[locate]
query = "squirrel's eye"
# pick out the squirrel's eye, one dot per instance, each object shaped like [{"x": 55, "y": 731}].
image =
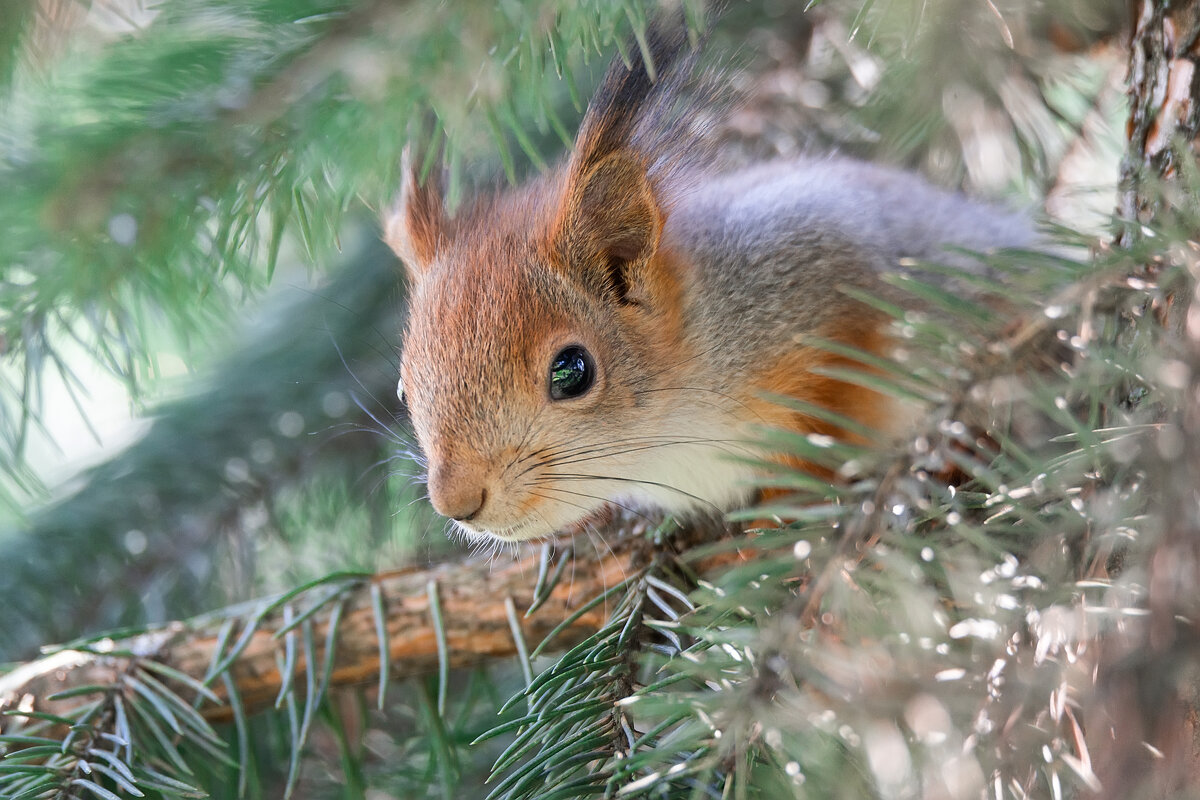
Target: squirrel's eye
[
  {"x": 400, "y": 390},
  {"x": 571, "y": 373}
]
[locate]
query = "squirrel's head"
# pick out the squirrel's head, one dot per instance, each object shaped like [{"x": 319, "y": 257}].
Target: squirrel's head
[
  {"x": 540, "y": 322},
  {"x": 546, "y": 325}
]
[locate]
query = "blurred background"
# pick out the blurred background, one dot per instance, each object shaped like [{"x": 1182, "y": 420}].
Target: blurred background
[{"x": 199, "y": 328}]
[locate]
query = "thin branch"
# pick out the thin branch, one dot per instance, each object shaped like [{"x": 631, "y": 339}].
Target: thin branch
[{"x": 473, "y": 596}]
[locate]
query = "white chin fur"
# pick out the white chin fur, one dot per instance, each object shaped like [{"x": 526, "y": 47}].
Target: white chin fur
[
  {"x": 679, "y": 479},
  {"x": 523, "y": 531}
]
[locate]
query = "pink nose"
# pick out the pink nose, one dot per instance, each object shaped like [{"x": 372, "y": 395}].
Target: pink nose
[{"x": 456, "y": 493}]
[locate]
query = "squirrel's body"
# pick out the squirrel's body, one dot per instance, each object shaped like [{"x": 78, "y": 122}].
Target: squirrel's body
[
  {"x": 755, "y": 234},
  {"x": 614, "y": 331}
]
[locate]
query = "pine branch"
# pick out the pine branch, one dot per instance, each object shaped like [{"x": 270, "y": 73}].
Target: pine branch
[{"x": 248, "y": 641}]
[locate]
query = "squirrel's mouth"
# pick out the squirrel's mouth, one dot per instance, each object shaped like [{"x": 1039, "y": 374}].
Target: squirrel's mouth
[
  {"x": 520, "y": 532},
  {"x": 539, "y": 526}
]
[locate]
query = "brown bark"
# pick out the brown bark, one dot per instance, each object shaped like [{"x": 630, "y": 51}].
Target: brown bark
[
  {"x": 1164, "y": 107},
  {"x": 472, "y": 597},
  {"x": 1142, "y": 727}
]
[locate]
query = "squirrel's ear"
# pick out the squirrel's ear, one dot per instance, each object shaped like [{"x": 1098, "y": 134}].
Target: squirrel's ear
[
  {"x": 416, "y": 223},
  {"x": 610, "y": 223}
]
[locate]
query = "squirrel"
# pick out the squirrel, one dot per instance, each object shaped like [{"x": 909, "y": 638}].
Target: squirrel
[{"x": 613, "y": 332}]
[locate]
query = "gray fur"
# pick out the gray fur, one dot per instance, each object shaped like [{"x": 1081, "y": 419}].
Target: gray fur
[{"x": 796, "y": 231}]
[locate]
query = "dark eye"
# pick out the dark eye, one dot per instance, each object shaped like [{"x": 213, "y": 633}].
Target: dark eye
[
  {"x": 571, "y": 373},
  {"x": 400, "y": 390}
]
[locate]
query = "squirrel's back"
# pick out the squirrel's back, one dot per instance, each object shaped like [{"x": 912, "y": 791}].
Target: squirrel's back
[{"x": 769, "y": 247}]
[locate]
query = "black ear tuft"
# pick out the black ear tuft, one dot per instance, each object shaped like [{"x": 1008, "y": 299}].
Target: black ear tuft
[{"x": 620, "y": 102}]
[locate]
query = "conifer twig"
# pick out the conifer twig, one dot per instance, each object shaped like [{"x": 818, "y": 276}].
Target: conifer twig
[{"x": 246, "y": 641}]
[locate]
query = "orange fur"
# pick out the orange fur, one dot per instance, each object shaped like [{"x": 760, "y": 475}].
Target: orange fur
[{"x": 794, "y": 377}]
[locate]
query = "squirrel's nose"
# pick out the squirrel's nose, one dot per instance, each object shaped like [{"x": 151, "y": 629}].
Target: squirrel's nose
[{"x": 456, "y": 495}]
